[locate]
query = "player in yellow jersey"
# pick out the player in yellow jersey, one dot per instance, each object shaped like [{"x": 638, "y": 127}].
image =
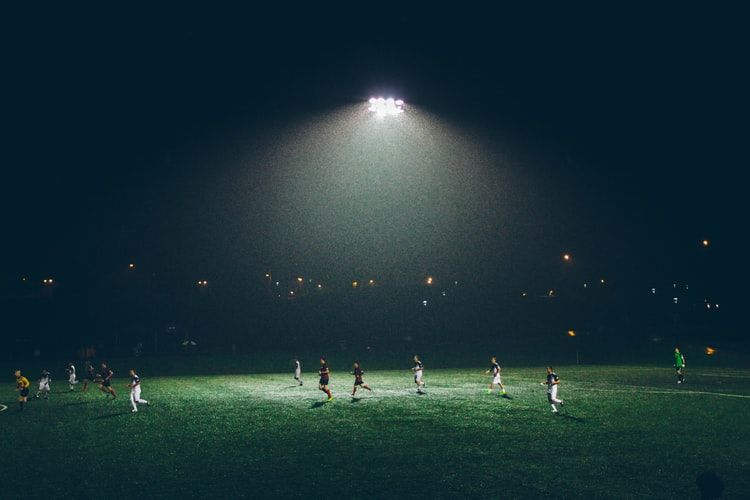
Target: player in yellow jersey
[{"x": 22, "y": 386}]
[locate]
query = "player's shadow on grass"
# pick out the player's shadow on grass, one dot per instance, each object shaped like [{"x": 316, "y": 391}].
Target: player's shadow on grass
[
  {"x": 112, "y": 415},
  {"x": 318, "y": 404},
  {"x": 291, "y": 386},
  {"x": 355, "y": 400},
  {"x": 571, "y": 417}
]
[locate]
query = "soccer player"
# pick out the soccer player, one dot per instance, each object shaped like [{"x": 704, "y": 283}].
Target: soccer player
[
  {"x": 358, "y": 373},
  {"x": 71, "y": 371},
  {"x": 106, "y": 385},
  {"x": 298, "y": 371},
  {"x": 495, "y": 370},
  {"x": 679, "y": 365},
  {"x": 44, "y": 380},
  {"x": 22, "y": 386},
  {"x": 552, "y": 383},
  {"x": 90, "y": 376},
  {"x": 418, "y": 370},
  {"x": 325, "y": 374},
  {"x": 135, "y": 391}
]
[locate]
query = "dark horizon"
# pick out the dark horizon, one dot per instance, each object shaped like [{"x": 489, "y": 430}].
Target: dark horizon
[{"x": 615, "y": 136}]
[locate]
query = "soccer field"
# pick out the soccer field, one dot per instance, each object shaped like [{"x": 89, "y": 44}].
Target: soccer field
[{"x": 623, "y": 432}]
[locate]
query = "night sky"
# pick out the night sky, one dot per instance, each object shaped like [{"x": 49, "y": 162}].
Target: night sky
[{"x": 226, "y": 143}]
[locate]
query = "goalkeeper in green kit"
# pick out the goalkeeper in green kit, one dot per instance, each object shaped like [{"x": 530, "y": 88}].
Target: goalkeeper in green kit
[{"x": 679, "y": 365}]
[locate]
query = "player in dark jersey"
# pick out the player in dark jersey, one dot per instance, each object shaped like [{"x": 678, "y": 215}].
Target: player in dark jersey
[
  {"x": 22, "y": 386},
  {"x": 106, "y": 384},
  {"x": 552, "y": 383},
  {"x": 325, "y": 378},
  {"x": 418, "y": 370},
  {"x": 495, "y": 371},
  {"x": 358, "y": 382},
  {"x": 90, "y": 376}
]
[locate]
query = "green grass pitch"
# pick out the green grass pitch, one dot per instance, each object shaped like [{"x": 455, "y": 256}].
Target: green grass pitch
[{"x": 624, "y": 432}]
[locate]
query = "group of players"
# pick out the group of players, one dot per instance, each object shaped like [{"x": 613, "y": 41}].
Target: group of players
[
  {"x": 103, "y": 379},
  {"x": 324, "y": 372}
]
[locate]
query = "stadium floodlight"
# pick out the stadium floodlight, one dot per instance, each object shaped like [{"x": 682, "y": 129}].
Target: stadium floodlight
[{"x": 383, "y": 107}]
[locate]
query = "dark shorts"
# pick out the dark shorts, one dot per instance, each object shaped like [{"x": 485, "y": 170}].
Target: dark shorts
[
  {"x": 358, "y": 382},
  {"x": 106, "y": 383},
  {"x": 323, "y": 381},
  {"x": 90, "y": 377},
  {"x": 24, "y": 392}
]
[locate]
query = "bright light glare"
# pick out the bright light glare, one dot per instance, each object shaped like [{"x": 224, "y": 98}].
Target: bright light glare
[{"x": 386, "y": 107}]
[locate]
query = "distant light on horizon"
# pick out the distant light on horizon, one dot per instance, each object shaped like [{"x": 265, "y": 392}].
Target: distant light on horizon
[
  {"x": 571, "y": 333},
  {"x": 429, "y": 280},
  {"x": 566, "y": 257},
  {"x": 202, "y": 283},
  {"x": 131, "y": 266},
  {"x": 386, "y": 107},
  {"x": 710, "y": 351},
  {"x": 705, "y": 243}
]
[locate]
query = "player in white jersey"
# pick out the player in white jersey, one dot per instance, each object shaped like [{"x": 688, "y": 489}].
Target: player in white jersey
[
  {"x": 495, "y": 371},
  {"x": 298, "y": 371},
  {"x": 418, "y": 370},
  {"x": 135, "y": 391},
  {"x": 552, "y": 383},
  {"x": 71, "y": 371},
  {"x": 44, "y": 380}
]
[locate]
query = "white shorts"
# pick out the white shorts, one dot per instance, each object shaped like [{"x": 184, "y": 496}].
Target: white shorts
[
  {"x": 552, "y": 393},
  {"x": 72, "y": 378},
  {"x": 418, "y": 376},
  {"x": 496, "y": 380},
  {"x": 44, "y": 386},
  {"x": 297, "y": 374},
  {"x": 135, "y": 392}
]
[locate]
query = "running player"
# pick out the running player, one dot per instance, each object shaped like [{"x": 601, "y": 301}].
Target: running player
[
  {"x": 135, "y": 391},
  {"x": 552, "y": 383},
  {"x": 22, "y": 386},
  {"x": 325, "y": 376},
  {"x": 495, "y": 370},
  {"x": 358, "y": 373},
  {"x": 71, "y": 371},
  {"x": 44, "y": 380},
  {"x": 679, "y": 365},
  {"x": 297, "y": 371},
  {"x": 90, "y": 376},
  {"x": 418, "y": 370},
  {"x": 106, "y": 384}
]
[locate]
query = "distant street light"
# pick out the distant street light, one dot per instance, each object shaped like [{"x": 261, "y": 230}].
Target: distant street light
[
  {"x": 566, "y": 257},
  {"x": 131, "y": 266},
  {"x": 48, "y": 281},
  {"x": 705, "y": 243},
  {"x": 571, "y": 333},
  {"x": 429, "y": 280},
  {"x": 385, "y": 107},
  {"x": 355, "y": 284},
  {"x": 202, "y": 283},
  {"x": 300, "y": 279}
]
